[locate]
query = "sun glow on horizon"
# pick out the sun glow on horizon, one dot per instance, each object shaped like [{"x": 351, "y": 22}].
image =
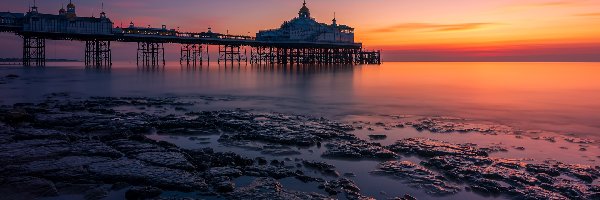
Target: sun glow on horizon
[{"x": 466, "y": 27}]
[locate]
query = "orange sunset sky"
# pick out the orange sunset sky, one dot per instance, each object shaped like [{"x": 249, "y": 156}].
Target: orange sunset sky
[{"x": 406, "y": 30}]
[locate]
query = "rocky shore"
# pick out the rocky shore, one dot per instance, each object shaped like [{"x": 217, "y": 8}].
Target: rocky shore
[{"x": 98, "y": 145}]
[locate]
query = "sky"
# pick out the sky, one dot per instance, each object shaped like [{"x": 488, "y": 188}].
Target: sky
[{"x": 405, "y": 30}]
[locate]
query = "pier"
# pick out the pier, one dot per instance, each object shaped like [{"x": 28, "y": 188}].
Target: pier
[{"x": 317, "y": 43}]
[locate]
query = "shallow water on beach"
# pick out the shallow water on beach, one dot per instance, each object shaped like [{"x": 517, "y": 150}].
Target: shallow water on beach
[
  {"x": 560, "y": 97},
  {"x": 547, "y": 102}
]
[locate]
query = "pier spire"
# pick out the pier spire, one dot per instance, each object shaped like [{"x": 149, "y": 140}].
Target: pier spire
[
  {"x": 103, "y": 14},
  {"x": 334, "y": 20},
  {"x": 34, "y": 8},
  {"x": 304, "y": 11}
]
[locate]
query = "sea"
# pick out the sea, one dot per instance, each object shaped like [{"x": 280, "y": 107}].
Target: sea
[{"x": 558, "y": 99}]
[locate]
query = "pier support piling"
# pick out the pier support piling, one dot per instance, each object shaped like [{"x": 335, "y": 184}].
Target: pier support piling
[
  {"x": 287, "y": 55},
  {"x": 192, "y": 54},
  {"x": 98, "y": 53},
  {"x": 34, "y": 51},
  {"x": 150, "y": 54},
  {"x": 231, "y": 53}
]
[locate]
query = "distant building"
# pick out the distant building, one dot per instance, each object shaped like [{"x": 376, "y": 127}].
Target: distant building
[
  {"x": 66, "y": 22},
  {"x": 10, "y": 18},
  {"x": 132, "y": 29},
  {"x": 306, "y": 29}
]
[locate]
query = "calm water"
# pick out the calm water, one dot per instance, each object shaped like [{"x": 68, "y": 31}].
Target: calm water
[{"x": 563, "y": 97}]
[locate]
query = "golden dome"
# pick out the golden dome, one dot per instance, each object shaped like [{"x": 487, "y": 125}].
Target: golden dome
[{"x": 71, "y": 5}]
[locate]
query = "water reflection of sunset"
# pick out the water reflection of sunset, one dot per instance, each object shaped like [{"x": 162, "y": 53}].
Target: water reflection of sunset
[{"x": 536, "y": 95}]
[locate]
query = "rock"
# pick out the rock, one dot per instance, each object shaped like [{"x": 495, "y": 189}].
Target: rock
[
  {"x": 28, "y": 150},
  {"x": 377, "y": 137},
  {"x": 343, "y": 185},
  {"x": 417, "y": 176},
  {"x": 279, "y": 150},
  {"x": 492, "y": 149},
  {"x": 323, "y": 167},
  {"x": 269, "y": 188},
  {"x": 96, "y": 193},
  {"x": 261, "y": 161},
  {"x": 543, "y": 168},
  {"x": 223, "y": 184},
  {"x": 66, "y": 168},
  {"x": 357, "y": 149},
  {"x": 132, "y": 171},
  {"x": 119, "y": 186},
  {"x": 537, "y": 193},
  {"x": 405, "y": 197},
  {"x": 520, "y": 148},
  {"x": 583, "y": 172},
  {"x": 224, "y": 171},
  {"x": 487, "y": 187},
  {"x": 166, "y": 159},
  {"x": 27, "y": 186},
  {"x": 277, "y": 172},
  {"x": 140, "y": 193},
  {"x": 16, "y": 116},
  {"x": 446, "y": 125},
  {"x": 431, "y": 148}
]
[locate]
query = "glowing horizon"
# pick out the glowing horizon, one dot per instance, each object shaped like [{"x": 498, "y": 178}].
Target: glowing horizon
[{"x": 431, "y": 30}]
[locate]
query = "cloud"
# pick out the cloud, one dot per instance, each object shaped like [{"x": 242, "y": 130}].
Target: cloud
[
  {"x": 433, "y": 27},
  {"x": 526, "y": 6},
  {"x": 538, "y": 52},
  {"x": 588, "y": 14},
  {"x": 554, "y": 3}
]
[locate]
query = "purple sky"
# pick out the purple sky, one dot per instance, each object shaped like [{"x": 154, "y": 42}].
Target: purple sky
[{"x": 428, "y": 30}]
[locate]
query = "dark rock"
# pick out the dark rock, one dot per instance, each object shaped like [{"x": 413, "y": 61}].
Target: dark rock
[
  {"x": 140, "y": 193},
  {"x": 537, "y": 193},
  {"x": 119, "y": 186},
  {"x": 323, "y": 167},
  {"x": 166, "y": 159},
  {"x": 377, "y": 137},
  {"x": 446, "y": 125},
  {"x": 16, "y": 116},
  {"x": 343, "y": 185},
  {"x": 26, "y": 186},
  {"x": 96, "y": 193},
  {"x": 277, "y": 172},
  {"x": 417, "y": 176},
  {"x": 405, "y": 197},
  {"x": 430, "y": 148},
  {"x": 133, "y": 171},
  {"x": 224, "y": 171},
  {"x": 269, "y": 188},
  {"x": 223, "y": 184},
  {"x": 357, "y": 149},
  {"x": 543, "y": 168},
  {"x": 261, "y": 161}
]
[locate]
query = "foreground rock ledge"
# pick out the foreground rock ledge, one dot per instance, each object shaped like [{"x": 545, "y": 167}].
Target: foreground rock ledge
[{"x": 98, "y": 145}]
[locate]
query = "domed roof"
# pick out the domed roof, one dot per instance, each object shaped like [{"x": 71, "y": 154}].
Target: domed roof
[
  {"x": 62, "y": 10},
  {"x": 304, "y": 11},
  {"x": 71, "y": 5}
]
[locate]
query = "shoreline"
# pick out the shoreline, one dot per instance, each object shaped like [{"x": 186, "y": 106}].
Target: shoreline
[{"x": 127, "y": 141}]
